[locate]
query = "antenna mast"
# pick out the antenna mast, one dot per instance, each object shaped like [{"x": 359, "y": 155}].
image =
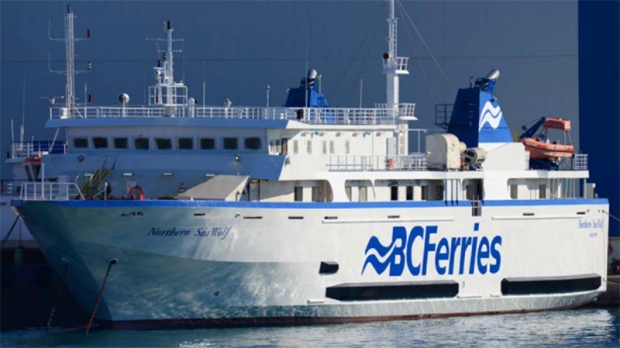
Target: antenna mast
[
  {"x": 167, "y": 92},
  {"x": 70, "y": 71},
  {"x": 393, "y": 66}
]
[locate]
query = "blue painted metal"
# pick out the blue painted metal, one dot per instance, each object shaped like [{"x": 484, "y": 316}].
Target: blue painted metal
[
  {"x": 297, "y": 96},
  {"x": 530, "y": 132},
  {"x": 476, "y": 116}
]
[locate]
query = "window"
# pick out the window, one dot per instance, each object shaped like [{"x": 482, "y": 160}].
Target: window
[
  {"x": 253, "y": 143},
  {"x": 332, "y": 147},
  {"x": 309, "y": 147},
  {"x": 295, "y": 147},
  {"x": 317, "y": 194},
  {"x": 439, "y": 193},
  {"x": 424, "y": 193},
  {"x": 163, "y": 143},
  {"x": 347, "y": 147},
  {"x": 207, "y": 143},
  {"x": 121, "y": 143},
  {"x": 394, "y": 193},
  {"x": 347, "y": 190},
  {"x": 277, "y": 148},
  {"x": 230, "y": 143},
  {"x": 186, "y": 143},
  {"x": 542, "y": 188},
  {"x": 100, "y": 142},
  {"x": 299, "y": 194},
  {"x": 363, "y": 193},
  {"x": 80, "y": 143},
  {"x": 141, "y": 143},
  {"x": 514, "y": 191},
  {"x": 409, "y": 195},
  {"x": 324, "y": 147}
]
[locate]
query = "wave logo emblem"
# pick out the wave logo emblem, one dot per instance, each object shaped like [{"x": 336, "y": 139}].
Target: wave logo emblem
[
  {"x": 491, "y": 115},
  {"x": 399, "y": 237}
]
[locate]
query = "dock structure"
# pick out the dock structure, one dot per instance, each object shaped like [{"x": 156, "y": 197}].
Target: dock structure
[{"x": 611, "y": 297}]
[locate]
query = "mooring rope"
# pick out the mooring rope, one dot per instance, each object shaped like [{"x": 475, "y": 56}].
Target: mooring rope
[
  {"x": 610, "y": 215},
  {"x": 59, "y": 291},
  {"x": 92, "y": 317}
]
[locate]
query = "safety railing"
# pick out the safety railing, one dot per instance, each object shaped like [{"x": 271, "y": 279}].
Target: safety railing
[
  {"x": 413, "y": 162},
  {"x": 380, "y": 115},
  {"x": 50, "y": 191}
]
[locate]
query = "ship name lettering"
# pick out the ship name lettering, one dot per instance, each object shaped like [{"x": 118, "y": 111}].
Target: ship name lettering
[
  {"x": 218, "y": 232},
  {"x": 171, "y": 232}
]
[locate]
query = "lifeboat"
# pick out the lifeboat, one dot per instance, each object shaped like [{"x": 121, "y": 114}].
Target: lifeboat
[
  {"x": 546, "y": 149},
  {"x": 541, "y": 147}
]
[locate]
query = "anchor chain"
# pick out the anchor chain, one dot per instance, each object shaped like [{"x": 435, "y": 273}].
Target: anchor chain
[{"x": 92, "y": 317}]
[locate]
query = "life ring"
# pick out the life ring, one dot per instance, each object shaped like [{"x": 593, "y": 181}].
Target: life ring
[{"x": 137, "y": 193}]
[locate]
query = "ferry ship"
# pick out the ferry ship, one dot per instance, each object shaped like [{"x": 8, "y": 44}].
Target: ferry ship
[{"x": 173, "y": 215}]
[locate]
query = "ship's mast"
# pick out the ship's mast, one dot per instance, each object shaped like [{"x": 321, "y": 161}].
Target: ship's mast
[
  {"x": 393, "y": 66},
  {"x": 70, "y": 71},
  {"x": 167, "y": 92}
]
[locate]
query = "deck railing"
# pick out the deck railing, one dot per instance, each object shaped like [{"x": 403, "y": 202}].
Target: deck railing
[
  {"x": 414, "y": 162},
  {"x": 50, "y": 191},
  {"x": 28, "y": 149},
  {"x": 357, "y": 116}
]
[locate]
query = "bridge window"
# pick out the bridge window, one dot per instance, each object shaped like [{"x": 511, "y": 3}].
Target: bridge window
[
  {"x": 121, "y": 143},
  {"x": 141, "y": 143},
  {"x": 230, "y": 143},
  {"x": 186, "y": 143},
  {"x": 163, "y": 143},
  {"x": 80, "y": 143},
  {"x": 100, "y": 142},
  {"x": 207, "y": 143},
  {"x": 253, "y": 143}
]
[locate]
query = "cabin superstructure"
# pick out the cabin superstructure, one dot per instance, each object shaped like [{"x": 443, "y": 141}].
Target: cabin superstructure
[{"x": 303, "y": 151}]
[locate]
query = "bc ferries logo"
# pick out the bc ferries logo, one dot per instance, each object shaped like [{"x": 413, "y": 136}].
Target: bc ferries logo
[
  {"x": 491, "y": 115},
  {"x": 419, "y": 251}
]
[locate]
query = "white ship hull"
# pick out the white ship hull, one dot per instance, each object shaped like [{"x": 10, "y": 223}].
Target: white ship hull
[{"x": 202, "y": 263}]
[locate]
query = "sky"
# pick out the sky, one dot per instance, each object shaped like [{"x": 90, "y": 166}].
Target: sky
[{"x": 237, "y": 48}]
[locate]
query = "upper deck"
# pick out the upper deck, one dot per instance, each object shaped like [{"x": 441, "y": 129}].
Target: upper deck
[{"x": 380, "y": 115}]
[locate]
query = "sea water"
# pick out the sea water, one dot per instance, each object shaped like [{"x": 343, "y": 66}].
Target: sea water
[{"x": 587, "y": 327}]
